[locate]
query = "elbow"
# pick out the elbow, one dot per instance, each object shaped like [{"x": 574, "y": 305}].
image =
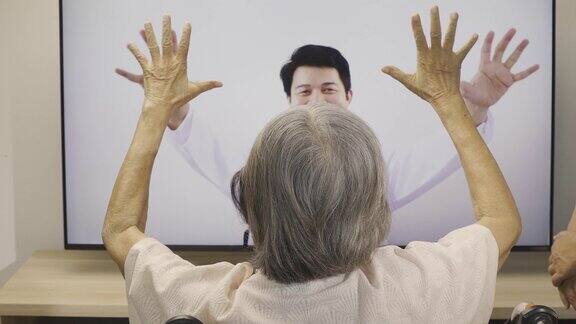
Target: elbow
[
  {"x": 516, "y": 226},
  {"x": 109, "y": 232},
  {"x": 512, "y": 222},
  {"x": 107, "y": 235}
]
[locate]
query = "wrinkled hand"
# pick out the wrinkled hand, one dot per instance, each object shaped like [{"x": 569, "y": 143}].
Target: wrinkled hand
[
  {"x": 562, "y": 261},
  {"x": 139, "y": 78},
  {"x": 165, "y": 79},
  {"x": 437, "y": 76},
  {"x": 494, "y": 77},
  {"x": 179, "y": 113}
]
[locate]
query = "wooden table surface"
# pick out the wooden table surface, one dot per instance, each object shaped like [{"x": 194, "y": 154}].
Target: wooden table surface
[{"x": 89, "y": 284}]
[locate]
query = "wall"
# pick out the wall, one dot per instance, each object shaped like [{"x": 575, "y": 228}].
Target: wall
[{"x": 31, "y": 192}]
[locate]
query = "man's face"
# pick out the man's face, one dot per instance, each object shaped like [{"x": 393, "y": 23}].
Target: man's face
[{"x": 318, "y": 85}]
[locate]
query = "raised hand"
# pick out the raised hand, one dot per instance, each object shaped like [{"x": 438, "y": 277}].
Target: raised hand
[
  {"x": 494, "y": 76},
  {"x": 179, "y": 114},
  {"x": 437, "y": 76},
  {"x": 165, "y": 79},
  {"x": 139, "y": 78}
]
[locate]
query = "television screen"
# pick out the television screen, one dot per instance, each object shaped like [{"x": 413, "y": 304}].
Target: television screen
[{"x": 244, "y": 44}]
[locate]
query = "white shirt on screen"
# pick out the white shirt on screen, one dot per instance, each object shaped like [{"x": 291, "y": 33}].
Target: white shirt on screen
[
  {"x": 412, "y": 170},
  {"x": 450, "y": 281}
]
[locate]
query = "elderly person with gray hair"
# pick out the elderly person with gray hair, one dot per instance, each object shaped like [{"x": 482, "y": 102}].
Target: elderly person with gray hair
[{"x": 313, "y": 193}]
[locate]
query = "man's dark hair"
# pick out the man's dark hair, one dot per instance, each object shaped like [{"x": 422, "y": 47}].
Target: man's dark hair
[{"x": 316, "y": 56}]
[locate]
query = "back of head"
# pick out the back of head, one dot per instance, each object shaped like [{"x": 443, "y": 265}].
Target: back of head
[{"x": 313, "y": 192}]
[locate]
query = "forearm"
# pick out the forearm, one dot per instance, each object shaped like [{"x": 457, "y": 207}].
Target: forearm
[
  {"x": 129, "y": 200},
  {"x": 490, "y": 194}
]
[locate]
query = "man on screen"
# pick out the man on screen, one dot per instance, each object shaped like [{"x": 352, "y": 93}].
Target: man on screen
[{"x": 321, "y": 74}]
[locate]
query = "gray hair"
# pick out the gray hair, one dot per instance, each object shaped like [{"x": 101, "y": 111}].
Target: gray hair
[{"x": 313, "y": 193}]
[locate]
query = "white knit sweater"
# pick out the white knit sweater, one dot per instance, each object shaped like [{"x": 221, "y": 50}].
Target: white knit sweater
[{"x": 451, "y": 281}]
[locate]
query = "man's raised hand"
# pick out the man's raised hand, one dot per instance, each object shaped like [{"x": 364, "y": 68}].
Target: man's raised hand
[{"x": 494, "y": 76}]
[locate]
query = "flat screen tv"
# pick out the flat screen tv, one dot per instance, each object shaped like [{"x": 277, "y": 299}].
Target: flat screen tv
[{"x": 244, "y": 44}]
